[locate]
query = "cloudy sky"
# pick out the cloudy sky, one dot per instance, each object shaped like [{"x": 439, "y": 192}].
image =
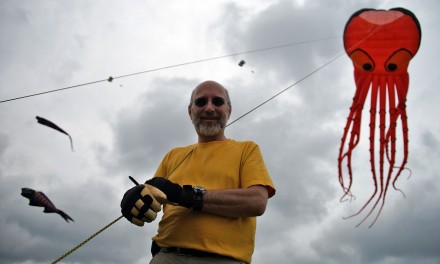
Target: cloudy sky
[{"x": 157, "y": 51}]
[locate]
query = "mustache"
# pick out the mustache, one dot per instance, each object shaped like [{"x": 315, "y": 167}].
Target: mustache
[{"x": 210, "y": 115}]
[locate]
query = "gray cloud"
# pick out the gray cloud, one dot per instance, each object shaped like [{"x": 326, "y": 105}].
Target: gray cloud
[{"x": 158, "y": 113}]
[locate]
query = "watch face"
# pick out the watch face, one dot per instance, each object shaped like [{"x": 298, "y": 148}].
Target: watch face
[{"x": 199, "y": 189}]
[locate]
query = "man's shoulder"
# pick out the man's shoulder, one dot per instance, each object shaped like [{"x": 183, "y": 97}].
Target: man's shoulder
[
  {"x": 240, "y": 141},
  {"x": 182, "y": 148},
  {"x": 243, "y": 142}
]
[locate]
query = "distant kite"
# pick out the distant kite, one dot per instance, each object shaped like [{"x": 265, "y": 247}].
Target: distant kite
[
  {"x": 48, "y": 123},
  {"x": 241, "y": 63},
  {"x": 381, "y": 44},
  {"x": 40, "y": 199}
]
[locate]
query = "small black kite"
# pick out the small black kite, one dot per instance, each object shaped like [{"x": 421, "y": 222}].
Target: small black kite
[
  {"x": 48, "y": 123},
  {"x": 40, "y": 199}
]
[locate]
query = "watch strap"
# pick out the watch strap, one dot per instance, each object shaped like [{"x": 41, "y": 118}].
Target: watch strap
[{"x": 198, "y": 198}]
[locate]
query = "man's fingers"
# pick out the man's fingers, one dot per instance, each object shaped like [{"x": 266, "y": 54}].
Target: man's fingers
[
  {"x": 150, "y": 216},
  {"x": 155, "y": 204},
  {"x": 138, "y": 205},
  {"x": 134, "y": 211},
  {"x": 159, "y": 195},
  {"x": 143, "y": 211},
  {"x": 137, "y": 222}
]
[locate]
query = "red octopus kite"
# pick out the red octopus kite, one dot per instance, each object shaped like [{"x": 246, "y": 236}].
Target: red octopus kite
[{"x": 380, "y": 44}]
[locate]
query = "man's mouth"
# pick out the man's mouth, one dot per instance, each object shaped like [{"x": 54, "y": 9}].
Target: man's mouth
[{"x": 210, "y": 120}]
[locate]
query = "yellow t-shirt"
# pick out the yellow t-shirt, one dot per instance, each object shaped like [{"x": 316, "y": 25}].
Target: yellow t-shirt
[{"x": 225, "y": 164}]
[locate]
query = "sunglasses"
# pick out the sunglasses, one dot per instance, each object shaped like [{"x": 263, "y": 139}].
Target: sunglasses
[{"x": 202, "y": 101}]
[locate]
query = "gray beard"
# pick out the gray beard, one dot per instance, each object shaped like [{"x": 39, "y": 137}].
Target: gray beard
[{"x": 208, "y": 130}]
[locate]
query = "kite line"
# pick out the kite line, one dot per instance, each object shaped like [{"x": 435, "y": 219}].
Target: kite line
[
  {"x": 287, "y": 88},
  {"x": 110, "y": 79},
  {"x": 86, "y": 240}
]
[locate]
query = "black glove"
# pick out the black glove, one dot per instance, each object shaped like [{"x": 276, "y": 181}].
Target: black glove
[
  {"x": 138, "y": 205},
  {"x": 175, "y": 194}
]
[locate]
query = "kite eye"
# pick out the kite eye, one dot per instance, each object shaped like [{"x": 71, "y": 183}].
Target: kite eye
[
  {"x": 391, "y": 67},
  {"x": 367, "y": 67},
  {"x": 399, "y": 60},
  {"x": 362, "y": 60}
]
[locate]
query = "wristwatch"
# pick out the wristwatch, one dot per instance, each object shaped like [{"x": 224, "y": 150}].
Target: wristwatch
[{"x": 199, "y": 191}]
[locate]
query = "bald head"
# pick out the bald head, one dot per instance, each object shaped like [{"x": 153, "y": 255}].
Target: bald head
[{"x": 210, "y": 85}]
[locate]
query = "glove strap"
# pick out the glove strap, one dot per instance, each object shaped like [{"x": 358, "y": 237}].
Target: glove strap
[{"x": 187, "y": 198}]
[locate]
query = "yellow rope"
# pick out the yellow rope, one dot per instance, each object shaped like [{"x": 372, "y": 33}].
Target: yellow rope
[{"x": 87, "y": 240}]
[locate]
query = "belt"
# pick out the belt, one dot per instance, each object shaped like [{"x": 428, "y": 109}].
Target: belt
[{"x": 189, "y": 252}]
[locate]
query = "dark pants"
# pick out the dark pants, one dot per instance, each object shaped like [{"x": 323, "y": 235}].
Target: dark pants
[
  {"x": 174, "y": 258},
  {"x": 161, "y": 256}
]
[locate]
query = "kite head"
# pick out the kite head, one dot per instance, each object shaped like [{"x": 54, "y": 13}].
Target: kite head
[
  {"x": 27, "y": 192},
  {"x": 381, "y": 41}
]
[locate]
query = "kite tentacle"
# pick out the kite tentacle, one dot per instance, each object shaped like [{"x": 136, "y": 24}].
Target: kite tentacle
[
  {"x": 378, "y": 85},
  {"x": 382, "y": 151},
  {"x": 391, "y": 135},
  {"x": 354, "y": 123},
  {"x": 374, "y": 92},
  {"x": 402, "y": 90}
]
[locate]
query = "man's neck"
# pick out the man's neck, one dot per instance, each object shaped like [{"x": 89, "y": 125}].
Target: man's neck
[{"x": 213, "y": 138}]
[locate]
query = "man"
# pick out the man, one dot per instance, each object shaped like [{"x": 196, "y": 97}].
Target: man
[{"x": 212, "y": 191}]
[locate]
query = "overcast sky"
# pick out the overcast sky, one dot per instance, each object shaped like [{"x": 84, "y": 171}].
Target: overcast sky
[{"x": 126, "y": 126}]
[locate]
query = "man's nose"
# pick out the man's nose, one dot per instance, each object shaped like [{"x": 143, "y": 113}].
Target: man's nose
[{"x": 210, "y": 107}]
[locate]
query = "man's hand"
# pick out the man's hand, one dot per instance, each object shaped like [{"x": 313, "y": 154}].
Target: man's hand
[
  {"x": 139, "y": 205},
  {"x": 173, "y": 192}
]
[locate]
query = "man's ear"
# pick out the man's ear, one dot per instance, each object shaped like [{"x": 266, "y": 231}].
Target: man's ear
[{"x": 189, "y": 112}]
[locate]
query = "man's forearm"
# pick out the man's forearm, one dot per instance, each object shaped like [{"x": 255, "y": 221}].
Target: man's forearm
[{"x": 243, "y": 202}]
